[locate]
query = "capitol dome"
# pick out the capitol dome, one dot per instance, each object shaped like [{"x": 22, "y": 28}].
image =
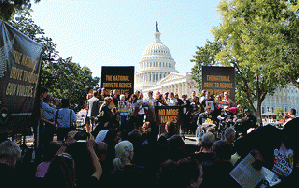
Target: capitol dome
[{"x": 156, "y": 63}]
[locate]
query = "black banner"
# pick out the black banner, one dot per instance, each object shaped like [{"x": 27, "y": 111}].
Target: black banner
[
  {"x": 168, "y": 113},
  {"x": 119, "y": 78},
  {"x": 218, "y": 80},
  {"x": 19, "y": 75}
]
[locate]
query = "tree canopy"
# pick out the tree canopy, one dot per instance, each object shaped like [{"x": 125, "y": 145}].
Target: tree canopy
[
  {"x": 8, "y": 7},
  {"x": 254, "y": 40}
]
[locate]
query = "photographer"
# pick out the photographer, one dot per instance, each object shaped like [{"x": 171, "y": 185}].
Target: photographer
[
  {"x": 47, "y": 118},
  {"x": 248, "y": 122}
]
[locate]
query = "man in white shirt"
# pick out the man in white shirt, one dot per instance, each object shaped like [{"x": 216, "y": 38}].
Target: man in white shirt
[{"x": 171, "y": 101}]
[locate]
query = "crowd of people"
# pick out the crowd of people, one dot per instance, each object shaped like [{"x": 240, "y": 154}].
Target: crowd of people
[{"x": 125, "y": 149}]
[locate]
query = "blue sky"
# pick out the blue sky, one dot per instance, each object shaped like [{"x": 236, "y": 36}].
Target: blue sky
[{"x": 116, "y": 32}]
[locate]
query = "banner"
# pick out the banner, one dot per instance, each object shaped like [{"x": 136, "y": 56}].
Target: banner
[
  {"x": 119, "y": 78},
  {"x": 20, "y": 67},
  {"x": 218, "y": 80},
  {"x": 168, "y": 113}
]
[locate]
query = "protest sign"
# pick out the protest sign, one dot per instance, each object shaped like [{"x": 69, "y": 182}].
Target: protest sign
[{"x": 20, "y": 68}]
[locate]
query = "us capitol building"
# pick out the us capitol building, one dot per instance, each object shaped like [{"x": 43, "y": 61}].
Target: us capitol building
[{"x": 157, "y": 71}]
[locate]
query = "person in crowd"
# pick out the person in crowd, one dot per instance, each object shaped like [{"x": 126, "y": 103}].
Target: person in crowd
[
  {"x": 103, "y": 94},
  {"x": 193, "y": 96},
  {"x": 61, "y": 172},
  {"x": 48, "y": 155},
  {"x": 207, "y": 142},
  {"x": 195, "y": 111},
  {"x": 89, "y": 94},
  {"x": 44, "y": 92},
  {"x": 93, "y": 106},
  {"x": 190, "y": 173},
  {"x": 186, "y": 113},
  {"x": 165, "y": 96},
  {"x": 160, "y": 101},
  {"x": 150, "y": 111},
  {"x": 248, "y": 122},
  {"x": 88, "y": 169},
  {"x": 48, "y": 124},
  {"x": 137, "y": 116},
  {"x": 209, "y": 97},
  {"x": 64, "y": 118},
  {"x": 105, "y": 113},
  {"x": 149, "y": 104},
  {"x": 115, "y": 98},
  {"x": 176, "y": 148},
  {"x": 123, "y": 108},
  {"x": 126, "y": 173},
  {"x": 180, "y": 101},
  {"x": 170, "y": 130},
  {"x": 290, "y": 115},
  {"x": 229, "y": 135},
  {"x": 209, "y": 116},
  {"x": 137, "y": 93},
  {"x": 217, "y": 99},
  {"x": 111, "y": 93},
  {"x": 147, "y": 137},
  {"x": 221, "y": 167},
  {"x": 135, "y": 137},
  {"x": 202, "y": 96},
  {"x": 227, "y": 100},
  {"x": 171, "y": 101},
  {"x": 234, "y": 110},
  {"x": 157, "y": 94},
  {"x": 127, "y": 96},
  {"x": 10, "y": 152},
  {"x": 168, "y": 175}
]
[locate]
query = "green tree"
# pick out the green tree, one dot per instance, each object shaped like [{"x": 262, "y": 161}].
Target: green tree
[
  {"x": 205, "y": 56},
  {"x": 279, "y": 111},
  {"x": 22, "y": 21},
  {"x": 250, "y": 32},
  {"x": 290, "y": 33},
  {"x": 8, "y": 7},
  {"x": 68, "y": 80}
]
